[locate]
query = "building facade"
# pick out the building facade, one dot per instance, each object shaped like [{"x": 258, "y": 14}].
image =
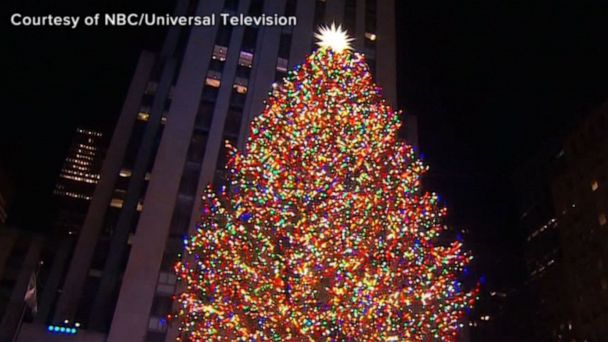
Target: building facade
[
  {"x": 542, "y": 291},
  {"x": 563, "y": 203},
  {"x": 200, "y": 90},
  {"x": 580, "y": 198}
]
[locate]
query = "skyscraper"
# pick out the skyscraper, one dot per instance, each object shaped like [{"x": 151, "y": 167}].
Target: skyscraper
[
  {"x": 77, "y": 179},
  {"x": 201, "y": 89},
  {"x": 73, "y": 192}
]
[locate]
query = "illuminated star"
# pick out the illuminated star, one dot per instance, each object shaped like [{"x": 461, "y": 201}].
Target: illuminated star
[{"x": 334, "y": 38}]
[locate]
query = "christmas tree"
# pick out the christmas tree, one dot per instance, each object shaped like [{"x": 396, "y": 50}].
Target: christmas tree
[{"x": 323, "y": 232}]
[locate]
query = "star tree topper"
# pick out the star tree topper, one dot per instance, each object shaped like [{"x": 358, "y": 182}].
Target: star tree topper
[{"x": 334, "y": 38}]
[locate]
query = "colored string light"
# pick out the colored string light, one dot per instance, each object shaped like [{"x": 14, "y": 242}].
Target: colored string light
[{"x": 324, "y": 232}]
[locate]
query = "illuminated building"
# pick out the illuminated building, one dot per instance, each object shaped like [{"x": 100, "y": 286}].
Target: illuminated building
[
  {"x": 77, "y": 179},
  {"x": 183, "y": 102},
  {"x": 73, "y": 192}
]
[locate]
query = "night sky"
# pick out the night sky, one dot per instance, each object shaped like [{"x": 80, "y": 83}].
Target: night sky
[{"x": 490, "y": 82}]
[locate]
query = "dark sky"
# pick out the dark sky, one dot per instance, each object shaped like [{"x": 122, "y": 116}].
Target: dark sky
[{"x": 490, "y": 81}]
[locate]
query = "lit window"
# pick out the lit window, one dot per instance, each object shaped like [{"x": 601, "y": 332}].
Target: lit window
[
  {"x": 282, "y": 64},
  {"x": 157, "y": 324},
  {"x": 594, "y": 185},
  {"x": 240, "y": 89},
  {"x": 163, "y": 120},
  {"x": 370, "y": 36},
  {"x": 212, "y": 82},
  {"x": 246, "y": 59},
  {"x": 143, "y": 116},
  {"x": 602, "y": 219},
  {"x": 219, "y": 52},
  {"x": 213, "y": 79},
  {"x": 116, "y": 203},
  {"x": 240, "y": 85},
  {"x": 147, "y": 176},
  {"x": 140, "y": 206},
  {"x": 125, "y": 173}
]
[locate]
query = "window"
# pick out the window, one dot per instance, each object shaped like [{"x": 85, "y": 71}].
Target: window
[
  {"x": 220, "y": 52},
  {"x": 166, "y": 283},
  {"x": 602, "y": 219},
  {"x": 282, "y": 64},
  {"x": 143, "y": 116},
  {"x": 240, "y": 85},
  {"x": 157, "y": 324},
  {"x": 246, "y": 59},
  {"x": 116, "y": 203},
  {"x": 213, "y": 79},
  {"x": 125, "y": 173},
  {"x": 594, "y": 185}
]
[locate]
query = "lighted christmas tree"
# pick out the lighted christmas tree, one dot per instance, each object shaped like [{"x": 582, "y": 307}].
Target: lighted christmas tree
[{"x": 323, "y": 233}]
